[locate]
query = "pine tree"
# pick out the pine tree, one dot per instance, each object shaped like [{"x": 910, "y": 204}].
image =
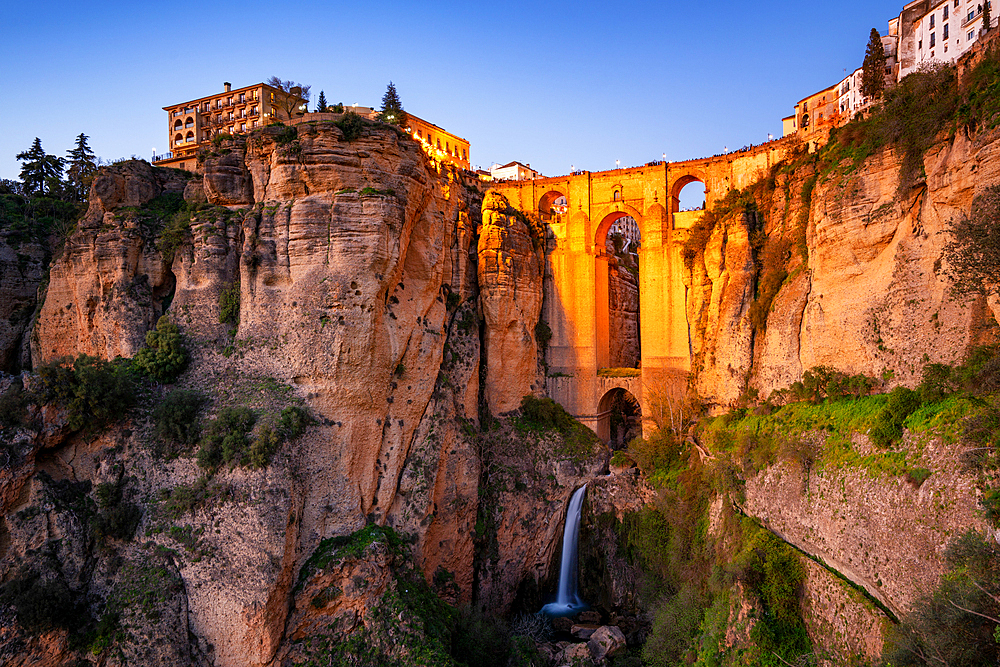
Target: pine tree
[
  {"x": 41, "y": 174},
  {"x": 392, "y": 109},
  {"x": 81, "y": 170},
  {"x": 321, "y": 105},
  {"x": 873, "y": 69}
]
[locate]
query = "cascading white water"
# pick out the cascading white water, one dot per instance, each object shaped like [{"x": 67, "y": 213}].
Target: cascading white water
[{"x": 568, "y": 602}]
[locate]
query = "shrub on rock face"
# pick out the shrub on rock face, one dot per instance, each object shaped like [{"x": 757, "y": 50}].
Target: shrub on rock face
[
  {"x": 176, "y": 418},
  {"x": 40, "y": 604},
  {"x": 227, "y": 438},
  {"x": 92, "y": 390},
  {"x": 164, "y": 356},
  {"x": 888, "y": 427}
]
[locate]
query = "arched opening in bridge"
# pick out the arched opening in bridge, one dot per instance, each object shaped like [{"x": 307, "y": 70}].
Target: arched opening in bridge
[
  {"x": 619, "y": 418},
  {"x": 687, "y": 201},
  {"x": 552, "y": 205},
  {"x": 617, "y": 291}
]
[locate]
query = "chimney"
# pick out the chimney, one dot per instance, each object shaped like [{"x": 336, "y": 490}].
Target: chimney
[{"x": 228, "y": 86}]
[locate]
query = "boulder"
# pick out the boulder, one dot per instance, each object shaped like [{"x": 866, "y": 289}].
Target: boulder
[
  {"x": 605, "y": 642},
  {"x": 574, "y": 654}
]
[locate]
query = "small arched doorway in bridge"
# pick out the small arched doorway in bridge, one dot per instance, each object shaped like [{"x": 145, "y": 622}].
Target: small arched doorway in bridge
[
  {"x": 619, "y": 418},
  {"x": 687, "y": 201},
  {"x": 616, "y": 296},
  {"x": 552, "y": 205}
]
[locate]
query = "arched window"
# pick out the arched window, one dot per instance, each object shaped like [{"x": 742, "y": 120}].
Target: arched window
[
  {"x": 178, "y": 139},
  {"x": 178, "y": 124},
  {"x": 618, "y": 195}
]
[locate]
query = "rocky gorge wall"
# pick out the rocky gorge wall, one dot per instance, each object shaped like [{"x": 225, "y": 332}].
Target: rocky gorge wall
[
  {"x": 865, "y": 291},
  {"x": 386, "y": 297},
  {"x": 362, "y": 275}
]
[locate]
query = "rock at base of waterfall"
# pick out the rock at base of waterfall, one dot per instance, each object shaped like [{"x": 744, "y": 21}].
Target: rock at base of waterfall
[
  {"x": 589, "y": 617},
  {"x": 583, "y": 630},
  {"x": 574, "y": 654},
  {"x": 606, "y": 641},
  {"x": 562, "y": 624}
]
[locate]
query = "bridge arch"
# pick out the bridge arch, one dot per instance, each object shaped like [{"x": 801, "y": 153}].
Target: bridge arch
[
  {"x": 607, "y": 220},
  {"x": 681, "y": 182},
  {"x": 617, "y": 324},
  {"x": 619, "y": 417},
  {"x": 552, "y": 203}
]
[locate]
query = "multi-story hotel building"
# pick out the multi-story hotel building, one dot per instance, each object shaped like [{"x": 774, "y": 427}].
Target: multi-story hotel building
[
  {"x": 440, "y": 144},
  {"x": 192, "y": 124}
]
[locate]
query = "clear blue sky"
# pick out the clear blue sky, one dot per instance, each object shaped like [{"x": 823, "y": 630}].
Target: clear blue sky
[{"x": 553, "y": 84}]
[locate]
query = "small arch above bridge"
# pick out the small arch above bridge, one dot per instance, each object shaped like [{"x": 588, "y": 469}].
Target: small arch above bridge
[{"x": 552, "y": 203}]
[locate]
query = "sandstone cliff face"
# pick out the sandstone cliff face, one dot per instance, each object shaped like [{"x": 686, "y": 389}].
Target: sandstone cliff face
[
  {"x": 356, "y": 268},
  {"x": 107, "y": 288},
  {"x": 510, "y": 279},
  {"x": 870, "y": 297},
  {"x": 882, "y": 532},
  {"x": 343, "y": 297}
]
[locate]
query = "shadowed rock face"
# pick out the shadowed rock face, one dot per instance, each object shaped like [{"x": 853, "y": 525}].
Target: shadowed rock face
[
  {"x": 623, "y": 310},
  {"x": 22, "y": 269}
]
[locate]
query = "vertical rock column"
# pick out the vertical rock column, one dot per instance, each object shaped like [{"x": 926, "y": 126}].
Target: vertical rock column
[{"x": 510, "y": 283}]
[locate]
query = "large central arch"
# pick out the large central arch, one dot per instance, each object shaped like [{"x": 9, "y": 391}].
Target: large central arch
[{"x": 608, "y": 267}]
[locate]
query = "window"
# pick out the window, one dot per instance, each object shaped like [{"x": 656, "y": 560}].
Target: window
[
  {"x": 243, "y": 96},
  {"x": 932, "y": 21},
  {"x": 229, "y": 100},
  {"x": 972, "y": 15},
  {"x": 920, "y": 44},
  {"x": 944, "y": 31},
  {"x": 971, "y": 36},
  {"x": 243, "y": 127},
  {"x": 944, "y": 17},
  {"x": 933, "y": 40},
  {"x": 957, "y": 2},
  {"x": 255, "y": 123}
]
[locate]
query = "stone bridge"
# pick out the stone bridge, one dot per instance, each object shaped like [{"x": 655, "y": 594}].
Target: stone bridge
[{"x": 577, "y": 265}]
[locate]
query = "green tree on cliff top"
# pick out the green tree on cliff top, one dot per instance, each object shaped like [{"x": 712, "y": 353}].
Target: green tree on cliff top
[
  {"x": 321, "y": 104},
  {"x": 392, "y": 109},
  {"x": 41, "y": 174},
  {"x": 81, "y": 170},
  {"x": 297, "y": 93},
  {"x": 873, "y": 69}
]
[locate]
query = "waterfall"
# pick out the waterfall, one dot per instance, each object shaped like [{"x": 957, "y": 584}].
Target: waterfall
[{"x": 568, "y": 602}]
